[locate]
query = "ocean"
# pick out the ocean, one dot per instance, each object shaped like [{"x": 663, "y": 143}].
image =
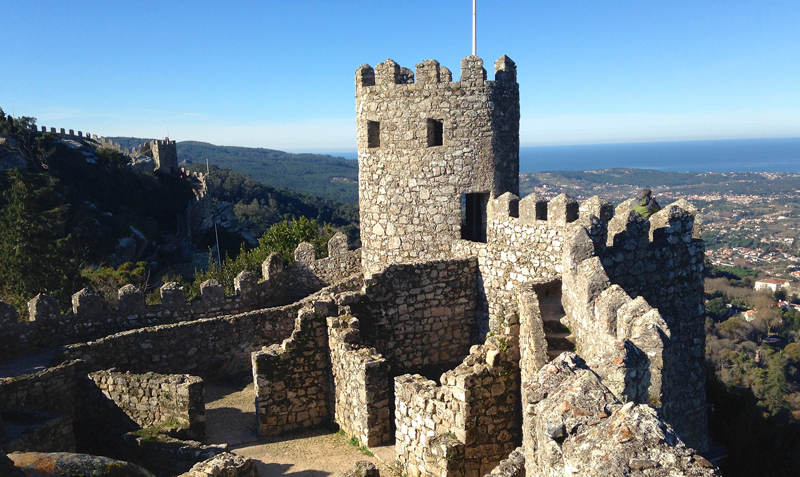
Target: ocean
[
  {"x": 734, "y": 155},
  {"x": 739, "y": 155}
]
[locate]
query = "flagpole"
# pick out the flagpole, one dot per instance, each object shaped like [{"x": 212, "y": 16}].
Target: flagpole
[{"x": 474, "y": 30}]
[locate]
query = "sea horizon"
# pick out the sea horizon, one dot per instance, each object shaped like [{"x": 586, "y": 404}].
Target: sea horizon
[{"x": 720, "y": 155}]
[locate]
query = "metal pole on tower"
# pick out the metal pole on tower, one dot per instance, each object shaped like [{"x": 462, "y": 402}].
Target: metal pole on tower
[{"x": 474, "y": 30}]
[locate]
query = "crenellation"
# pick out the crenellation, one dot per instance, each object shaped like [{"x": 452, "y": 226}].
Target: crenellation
[
  {"x": 304, "y": 254},
  {"x": 172, "y": 295},
  {"x": 211, "y": 292},
  {"x": 387, "y": 73},
  {"x": 246, "y": 286},
  {"x": 505, "y": 70},
  {"x": 428, "y": 72},
  {"x": 8, "y": 315},
  {"x": 43, "y": 308},
  {"x": 87, "y": 303},
  {"x": 532, "y": 207},
  {"x": 472, "y": 71},
  {"x": 272, "y": 266},
  {"x": 562, "y": 210},
  {"x": 130, "y": 299}
]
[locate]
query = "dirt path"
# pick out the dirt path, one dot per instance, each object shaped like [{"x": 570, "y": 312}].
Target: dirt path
[{"x": 230, "y": 418}]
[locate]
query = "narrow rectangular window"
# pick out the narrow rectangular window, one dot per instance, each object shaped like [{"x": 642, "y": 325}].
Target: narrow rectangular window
[
  {"x": 435, "y": 133},
  {"x": 473, "y": 216},
  {"x": 373, "y": 134}
]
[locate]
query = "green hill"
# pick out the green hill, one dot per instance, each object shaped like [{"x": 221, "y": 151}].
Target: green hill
[{"x": 318, "y": 174}]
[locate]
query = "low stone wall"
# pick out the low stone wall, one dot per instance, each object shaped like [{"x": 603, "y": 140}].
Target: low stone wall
[
  {"x": 291, "y": 379},
  {"x": 421, "y": 314},
  {"x": 92, "y": 319},
  {"x": 31, "y": 431},
  {"x": 362, "y": 468},
  {"x": 207, "y": 348},
  {"x": 175, "y": 401},
  {"x": 166, "y": 456},
  {"x": 52, "y": 390},
  {"x": 477, "y": 407},
  {"x": 360, "y": 384},
  {"x": 573, "y": 425}
]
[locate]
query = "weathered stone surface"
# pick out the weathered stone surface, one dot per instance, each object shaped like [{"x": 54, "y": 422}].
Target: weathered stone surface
[
  {"x": 63, "y": 463},
  {"x": 422, "y": 146},
  {"x": 574, "y": 425},
  {"x": 224, "y": 465}
]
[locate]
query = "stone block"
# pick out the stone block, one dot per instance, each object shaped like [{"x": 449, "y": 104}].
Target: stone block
[
  {"x": 472, "y": 71},
  {"x": 562, "y": 210},
  {"x": 505, "y": 70},
  {"x": 87, "y": 303},
  {"x": 428, "y": 72},
  {"x": 337, "y": 245},
  {"x": 304, "y": 254},
  {"x": 172, "y": 295},
  {"x": 43, "y": 307},
  {"x": 503, "y": 207},
  {"x": 532, "y": 207},
  {"x": 131, "y": 299},
  {"x": 212, "y": 292},
  {"x": 246, "y": 286},
  {"x": 272, "y": 266},
  {"x": 365, "y": 76}
]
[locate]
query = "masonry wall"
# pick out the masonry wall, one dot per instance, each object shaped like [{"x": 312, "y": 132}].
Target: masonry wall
[
  {"x": 644, "y": 354},
  {"x": 174, "y": 401},
  {"x": 52, "y": 390},
  {"x": 467, "y": 425},
  {"x": 207, "y": 348},
  {"x": 573, "y": 425},
  {"x": 410, "y": 191},
  {"x": 34, "y": 431},
  {"x": 291, "y": 379},
  {"x": 520, "y": 248},
  {"x": 92, "y": 319},
  {"x": 360, "y": 387},
  {"x": 418, "y": 315}
]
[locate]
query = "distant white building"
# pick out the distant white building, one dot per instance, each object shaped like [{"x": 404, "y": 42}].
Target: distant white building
[{"x": 772, "y": 284}]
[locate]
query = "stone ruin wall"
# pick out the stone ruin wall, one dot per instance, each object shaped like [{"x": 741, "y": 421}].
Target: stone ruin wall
[
  {"x": 421, "y": 314},
  {"x": 410, "y": 192},
  {"x": 574, "y": 425},
  {"x": 472, "y": 419},
  {"x": 645, "y": 354},
  {"x": 291, "y": 379},
  {"x": 360, "y": 387},
  {"x": 521, "y": 247},
  {"x": 175, "y": 401},
  {"x": 92, "y": 319}
]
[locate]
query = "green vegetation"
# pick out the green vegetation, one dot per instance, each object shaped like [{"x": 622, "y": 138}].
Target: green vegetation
[
  {"x": 281, "y": 239},
  {"x": 322, "y": 175},
  {"x": 264, "y": 206}
]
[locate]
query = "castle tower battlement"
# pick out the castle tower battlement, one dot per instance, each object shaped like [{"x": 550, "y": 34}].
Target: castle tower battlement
[{"x": 431, "y": 154}]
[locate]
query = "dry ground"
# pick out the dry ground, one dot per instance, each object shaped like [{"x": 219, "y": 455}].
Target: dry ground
[{"x": 230, "y": 418}]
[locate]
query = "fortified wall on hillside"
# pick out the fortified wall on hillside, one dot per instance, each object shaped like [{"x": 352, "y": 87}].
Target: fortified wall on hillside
[{"x": 477, "y": 332}]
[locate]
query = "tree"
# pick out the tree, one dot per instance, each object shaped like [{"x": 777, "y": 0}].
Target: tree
[
  {"x": 717, "y": 309},
  {"x": 34, "y": 246},
  {"x": 780, "y": 294}
]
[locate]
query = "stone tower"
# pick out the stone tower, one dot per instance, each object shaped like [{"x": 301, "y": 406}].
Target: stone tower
[
  {"x": 165, "y": 155},
  {"x": 431, "y": 155}
]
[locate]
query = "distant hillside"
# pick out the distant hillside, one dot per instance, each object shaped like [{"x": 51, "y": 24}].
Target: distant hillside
[{"x": 321, "y": 175}]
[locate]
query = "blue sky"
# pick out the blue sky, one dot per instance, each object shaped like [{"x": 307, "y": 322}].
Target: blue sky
[{"x": 281, "y": 74}]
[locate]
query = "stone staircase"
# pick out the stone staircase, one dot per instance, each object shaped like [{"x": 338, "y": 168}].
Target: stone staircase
[{"x": 556, "y": 334}]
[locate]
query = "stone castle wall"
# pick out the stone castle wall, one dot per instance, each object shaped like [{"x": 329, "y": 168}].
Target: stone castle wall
[
  {"x": 645, "y": 354},
  {"x": 291, "y": 379},
  {"x": 421, "y": 314},
  {"x": 175, "y": 401},
  {"x": 52, "y": 390},
  {"x": 92, "y": 319},
  {"x": 467, "y": 425},
  {"x": 573, "y": 425},
  {"x": 422, "y": 145},
  {"x": 360, "y": 384}
]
